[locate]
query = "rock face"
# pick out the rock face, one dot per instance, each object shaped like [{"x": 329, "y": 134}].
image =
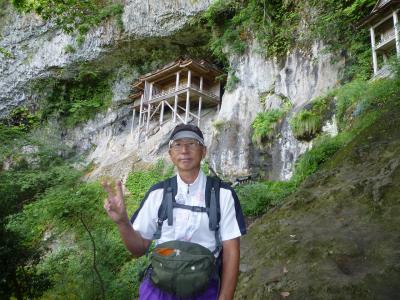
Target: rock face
[
  {"x": 38, "y": 50},
  {"x": 299, "y": 78},
  {"x": 337, "y": 236}
]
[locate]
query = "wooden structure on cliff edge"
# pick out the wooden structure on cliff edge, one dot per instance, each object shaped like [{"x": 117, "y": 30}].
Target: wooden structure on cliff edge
[
  {"x": 184, "y": 87},
  {"x": 384, "y": 28}
]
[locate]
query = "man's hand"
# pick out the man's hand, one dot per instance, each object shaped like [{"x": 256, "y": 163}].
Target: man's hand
[
  {"x": 114, "y": 204},
  {"x": 115, "y": 208}
]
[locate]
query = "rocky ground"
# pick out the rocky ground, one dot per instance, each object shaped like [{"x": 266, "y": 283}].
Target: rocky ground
[{"x": 338, "y": 236}]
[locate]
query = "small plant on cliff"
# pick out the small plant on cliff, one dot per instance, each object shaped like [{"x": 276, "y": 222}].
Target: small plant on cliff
[
  {"x": 306, "y": 125},
  {"x": 264, "y": 125},
  {"x": 6, "y": 53},
  {"x": 232, "y": 82}
]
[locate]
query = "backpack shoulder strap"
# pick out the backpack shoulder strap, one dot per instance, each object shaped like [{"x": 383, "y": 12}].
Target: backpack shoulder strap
[
  {"x": 165, "y": 209},
  {"x": 214, "y": 210}
]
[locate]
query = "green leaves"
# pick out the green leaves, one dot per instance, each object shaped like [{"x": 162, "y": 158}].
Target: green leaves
[
  {"x": 264, "y": 124},
  {"x": 257, "y": 198},
  {"x": 138, "y": 182},
  {"x": 71, "y": 15}
]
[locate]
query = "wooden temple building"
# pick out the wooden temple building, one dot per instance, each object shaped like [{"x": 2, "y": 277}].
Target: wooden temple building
[
  {"x": 383, "y": 23},
  {"x": 183, "y": 87}
]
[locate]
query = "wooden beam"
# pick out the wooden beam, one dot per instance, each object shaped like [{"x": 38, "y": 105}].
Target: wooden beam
[
  {"x": 199, "y": 113},
  {"x": 182, "y": 120},
  {"x": 187, "y": 110},
  {"x": 148, "y": 118},
  {"x": 133, "y": 120},
  {"x": 176, "y": 96},
  {"x": 141, "y": 110},
  {"x": 189, "y": 78},
  {"x": 201, "y": 83},
  {"x": 396, "y": 32},
  {"x": 374, "y": 58},
  {"x": 162, "y": 113}
]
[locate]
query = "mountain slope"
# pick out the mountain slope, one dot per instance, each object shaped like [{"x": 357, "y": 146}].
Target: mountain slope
[{"x": 337, "y": 237}]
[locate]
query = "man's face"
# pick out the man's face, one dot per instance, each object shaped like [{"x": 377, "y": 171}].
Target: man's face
[{"x": 186, "y": 154}]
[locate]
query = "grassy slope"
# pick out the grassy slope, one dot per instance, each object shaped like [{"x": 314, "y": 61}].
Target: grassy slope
[{"x": 338, "y": 236}]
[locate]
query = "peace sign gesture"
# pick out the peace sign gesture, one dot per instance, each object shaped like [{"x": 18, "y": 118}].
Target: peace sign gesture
[{"x": 114, "y": 204}]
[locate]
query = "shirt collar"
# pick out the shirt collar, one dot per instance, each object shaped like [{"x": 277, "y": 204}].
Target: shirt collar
[{"x": 183, "y": 187}]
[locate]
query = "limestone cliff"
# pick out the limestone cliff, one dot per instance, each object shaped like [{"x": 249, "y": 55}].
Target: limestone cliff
[
  {"x": 40, "y": 51},
  {"x": 336, "y": 237}
]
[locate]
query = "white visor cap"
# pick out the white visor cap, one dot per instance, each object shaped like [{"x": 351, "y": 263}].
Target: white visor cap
[{"x": 186, "y": 134}]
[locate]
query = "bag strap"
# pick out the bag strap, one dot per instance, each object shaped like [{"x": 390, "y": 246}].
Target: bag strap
[
  {"x": 165, "y": 210},
  {"x": 214, "y": 214}
]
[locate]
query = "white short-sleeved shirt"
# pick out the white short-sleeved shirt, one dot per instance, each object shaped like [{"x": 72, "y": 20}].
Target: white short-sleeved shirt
[{"x": 188, "y": 225}]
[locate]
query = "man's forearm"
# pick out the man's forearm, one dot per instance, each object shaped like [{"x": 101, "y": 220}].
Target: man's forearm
[
  {"x": 230, "y": 268},
  {"x": 132, "y": 239}
]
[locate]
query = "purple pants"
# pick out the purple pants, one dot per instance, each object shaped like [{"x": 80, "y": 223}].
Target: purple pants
[{"x": 148, "y": 291}]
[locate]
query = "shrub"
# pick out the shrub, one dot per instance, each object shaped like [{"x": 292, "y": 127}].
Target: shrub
[
  {"x": 232, "y": 82},
  {"x": 257, "y": 198},
  {"x": 138, "y": 182},
  {"x": 306, "y": 125},
  {"x": 264, "y": 125},
  {"x": 347, "y": 97},
  {"x": 310, "y": 161},
  {"x": 76, "y": 101}
]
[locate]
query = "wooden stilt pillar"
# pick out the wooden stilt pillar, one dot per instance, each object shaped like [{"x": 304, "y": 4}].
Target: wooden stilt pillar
[
  {"x": 140, "y": 111},
  {"x": 162, "y": 113},
  {"x": 149, "y": 108},
  {"x": 374, "y": 58},
  {"x": 189, "y": 81},
  {"x": 199, "y": 113},
  {"x": 176, "y": 96},
  {"x": 148, "y": 118},
  {"x": 187, "y": 106},
  {"x": 396, "y": 31},
  {"x": 200, "y": 102},
  {"x": 189, "y": 78},
  {"x": 133, "y": 121}
]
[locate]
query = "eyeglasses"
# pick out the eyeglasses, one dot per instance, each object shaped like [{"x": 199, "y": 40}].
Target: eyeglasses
[{"x": 180, "y": 145}]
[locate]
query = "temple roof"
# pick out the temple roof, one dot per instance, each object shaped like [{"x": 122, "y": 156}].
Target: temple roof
[
  {"x": 381, "y": 9},
  {"x": 200, "y": 67}
]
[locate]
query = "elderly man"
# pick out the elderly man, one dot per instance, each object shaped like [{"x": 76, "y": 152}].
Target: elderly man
[{"x": 189, "y": 221}]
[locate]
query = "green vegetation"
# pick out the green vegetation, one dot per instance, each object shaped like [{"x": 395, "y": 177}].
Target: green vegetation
[
  {"x": 59, "y": 241},
  {"x": 74, "y": 101},
  {"x": 138, "y": 182},
  {"x": 357, "y": 106},
  {"x": 218, "y": 124},
  {"x": 69, "y": 49},
  {"x": 235, "y": 23},
  {"x": 73, "y": 16},
  {"x": 232, "y": 82},
  {"x": 279, "y": 26},
  {"x": 257, "y": 198},
  {"x": 307, "y": 123},
  {"x": 264, "y": 125},
  {"x": 6, "y": 53}
]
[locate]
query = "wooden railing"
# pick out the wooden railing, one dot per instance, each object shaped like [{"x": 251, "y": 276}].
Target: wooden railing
[
  {"x": 386, "y": 36},
  {"x": 172, "y": 90}
]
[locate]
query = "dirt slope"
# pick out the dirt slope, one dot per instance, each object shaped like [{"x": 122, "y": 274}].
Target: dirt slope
[{"x": 338, "y": 237}]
